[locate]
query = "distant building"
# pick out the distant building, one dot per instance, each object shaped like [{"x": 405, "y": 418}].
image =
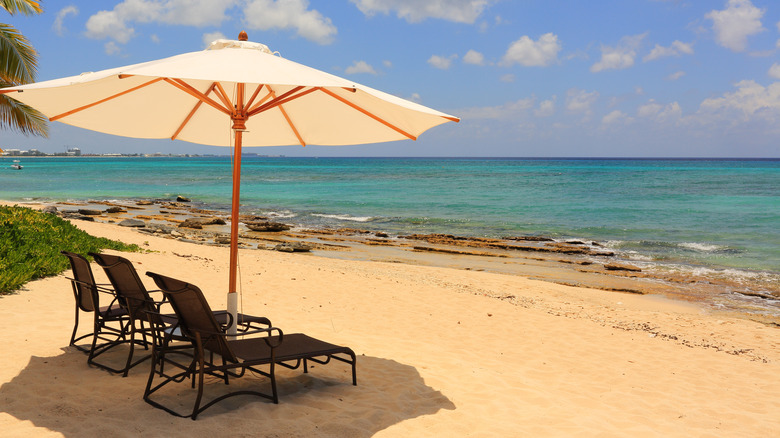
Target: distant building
[{"x": 74, "y": 152}]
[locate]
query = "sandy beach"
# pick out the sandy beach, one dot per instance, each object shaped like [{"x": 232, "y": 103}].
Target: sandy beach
[{"x": 442, "y": 351}]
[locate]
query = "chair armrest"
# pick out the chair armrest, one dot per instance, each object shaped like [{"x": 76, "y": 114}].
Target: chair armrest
[{"x": 267, "y": 339}]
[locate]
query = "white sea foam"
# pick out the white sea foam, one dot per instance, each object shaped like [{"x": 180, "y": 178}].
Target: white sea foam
[
  {"x": 703, "y": 247},
  {"x": 736, "y": 275},
  {"x": 281, "y": 214},
  {"x": 345, "y": 217}
]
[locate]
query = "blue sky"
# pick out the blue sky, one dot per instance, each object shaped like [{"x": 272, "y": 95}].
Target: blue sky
[{"x": 529, "y": 78}]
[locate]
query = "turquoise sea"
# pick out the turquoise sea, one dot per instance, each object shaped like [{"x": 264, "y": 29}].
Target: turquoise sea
[{"x": 722, "y": 215}]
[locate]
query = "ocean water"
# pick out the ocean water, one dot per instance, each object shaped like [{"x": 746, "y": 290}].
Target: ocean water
[{"x": 720, "y": 215}]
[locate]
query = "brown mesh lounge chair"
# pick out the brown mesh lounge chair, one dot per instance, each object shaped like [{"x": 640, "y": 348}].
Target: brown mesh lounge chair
[
  {"x": 109, "y": 323},
  {"x": 237, "y": 353},
  {"x": 138, "y": 302}
]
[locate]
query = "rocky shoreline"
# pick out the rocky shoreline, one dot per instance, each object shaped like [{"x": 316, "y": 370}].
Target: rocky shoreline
[{"x": 575, "y": 263}]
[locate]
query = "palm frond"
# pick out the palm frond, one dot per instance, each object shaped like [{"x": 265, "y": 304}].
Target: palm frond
[
  {"x": 19, "y": 117},
  {"x": 18, "y": 62},
  {"x": 26, "y": 7}
]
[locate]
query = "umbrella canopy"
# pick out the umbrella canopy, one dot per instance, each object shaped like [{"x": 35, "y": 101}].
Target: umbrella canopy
[
  {"x": 234, "y": 93},
  {"x": 193, "y": 96}
]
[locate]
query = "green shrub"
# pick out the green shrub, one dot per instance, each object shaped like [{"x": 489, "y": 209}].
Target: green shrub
[{"x": 31, "y": 241}]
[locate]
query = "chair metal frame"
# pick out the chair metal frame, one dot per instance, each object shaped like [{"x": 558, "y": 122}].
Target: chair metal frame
[{"x": 269, "y": 347}]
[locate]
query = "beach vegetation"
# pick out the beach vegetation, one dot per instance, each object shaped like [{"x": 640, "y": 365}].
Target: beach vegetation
[
  {"x": 18, "y": 65},
  {"x": 31, "y": 241}
]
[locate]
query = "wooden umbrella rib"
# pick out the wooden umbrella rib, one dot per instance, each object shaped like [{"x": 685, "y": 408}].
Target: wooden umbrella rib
[
  {"x": 192, "y": 113},
  {"x": 259, "y": 103},
  {"x": 276, "y": 101},
  {"x": 220, "y": 92},
  {"x": 367, "y": 113},
  {"x": 130, "y": 90},
  {"x": 254, "y": 96},
  {"x": 289, "y": 122},
  {"x": 178, "y": 83}
]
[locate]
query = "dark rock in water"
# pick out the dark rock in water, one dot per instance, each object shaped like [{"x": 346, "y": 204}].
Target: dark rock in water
[
  {"x": 189, "y": 223},
  {"x": 183, "y": 199},
  {"x": 89, "y": 212},
  {"x": 381, "y": 234},
  {"x": 531, "y": 238},
  {"x": 293, "y": 247},
  {"x": 251, "y": 218},
  {"x": 115, "y": 210},
  {"x": 616, "y": 267},
  {"x": 135, "y": 223},
  {"x": 223, "y": 239},
  {"x": 50, "y": 209},
  {"x": 198, "y": 222},
  {"x": 267, "y": 226}
]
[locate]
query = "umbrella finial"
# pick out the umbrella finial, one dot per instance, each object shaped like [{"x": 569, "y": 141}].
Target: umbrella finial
[{"x": 242, "y": 36}]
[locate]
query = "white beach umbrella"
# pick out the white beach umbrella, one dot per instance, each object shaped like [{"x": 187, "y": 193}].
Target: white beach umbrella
[{"x": 234, "y": 93}]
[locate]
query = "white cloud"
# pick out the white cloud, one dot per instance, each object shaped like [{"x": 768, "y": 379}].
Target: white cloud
[
  {"x": 580, "y": 101},
  {"x": 676, "y": 75},
  {"x": 210, "y": 37},
  {"x": 360, "y": 67},
  {"x": 111, "y": 48},
  {"x": 290, "y": 14},
  {"x": 473, "y": 57},
  {"x": 774, "y": 71},
  {"x": 676, "y": 49},
  {"x": 620, "y": 56},
  {"x": 442, "y": 62},
  {"x": 116, "y": 24},
  {"x": 387, "y": 63},
  {"x": 415, "y": 11},
  {"x": 58, "y": 27},
  {"x": 530, "y": 53},
  {"x": 616, "y": 116},
  {"x": 750, "y": 100},
  {"x": 546, "y": 108},
  {"x": 508, "y": 78},
  {"x": 661, "y": 113},
  {"x": 154, "y": 38},
  {"x": 733, "y": 25},
  {"x": 108, "y": 24}
]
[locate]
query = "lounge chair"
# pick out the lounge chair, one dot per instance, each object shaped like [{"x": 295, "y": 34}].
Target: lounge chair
[
  {"x": 138, "y": 302},
  {"x": 238, "y": 353},
  {"x": 109, "y": 323}
]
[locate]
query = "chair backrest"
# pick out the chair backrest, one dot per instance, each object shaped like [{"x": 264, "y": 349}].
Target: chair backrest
[
  {"x": 129, "y": 288},
  {"x": 84, "y": 287},
  {"x": 194, "y": 313}
]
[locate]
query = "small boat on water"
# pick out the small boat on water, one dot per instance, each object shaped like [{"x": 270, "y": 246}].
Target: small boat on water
[{"x": 16, "y": 165}]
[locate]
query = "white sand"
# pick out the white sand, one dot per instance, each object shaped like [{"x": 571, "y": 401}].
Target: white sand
[{"x": 438, "y": 355}]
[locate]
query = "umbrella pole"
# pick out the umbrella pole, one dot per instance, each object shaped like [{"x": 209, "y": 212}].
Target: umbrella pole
[
  {"x": 239, "y": 126},
  {"x": 232, "y": 297}
]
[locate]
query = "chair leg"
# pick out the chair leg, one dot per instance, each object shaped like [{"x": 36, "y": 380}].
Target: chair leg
[
  {"x": 132, "y": 348},
  {"x": 274, "y": 393},
  {"x": 75, "y": 328},
  {"x": 201, "y": 378}
]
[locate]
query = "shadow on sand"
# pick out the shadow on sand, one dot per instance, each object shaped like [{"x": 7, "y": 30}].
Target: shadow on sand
[{"x": 64, "y": 395}]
